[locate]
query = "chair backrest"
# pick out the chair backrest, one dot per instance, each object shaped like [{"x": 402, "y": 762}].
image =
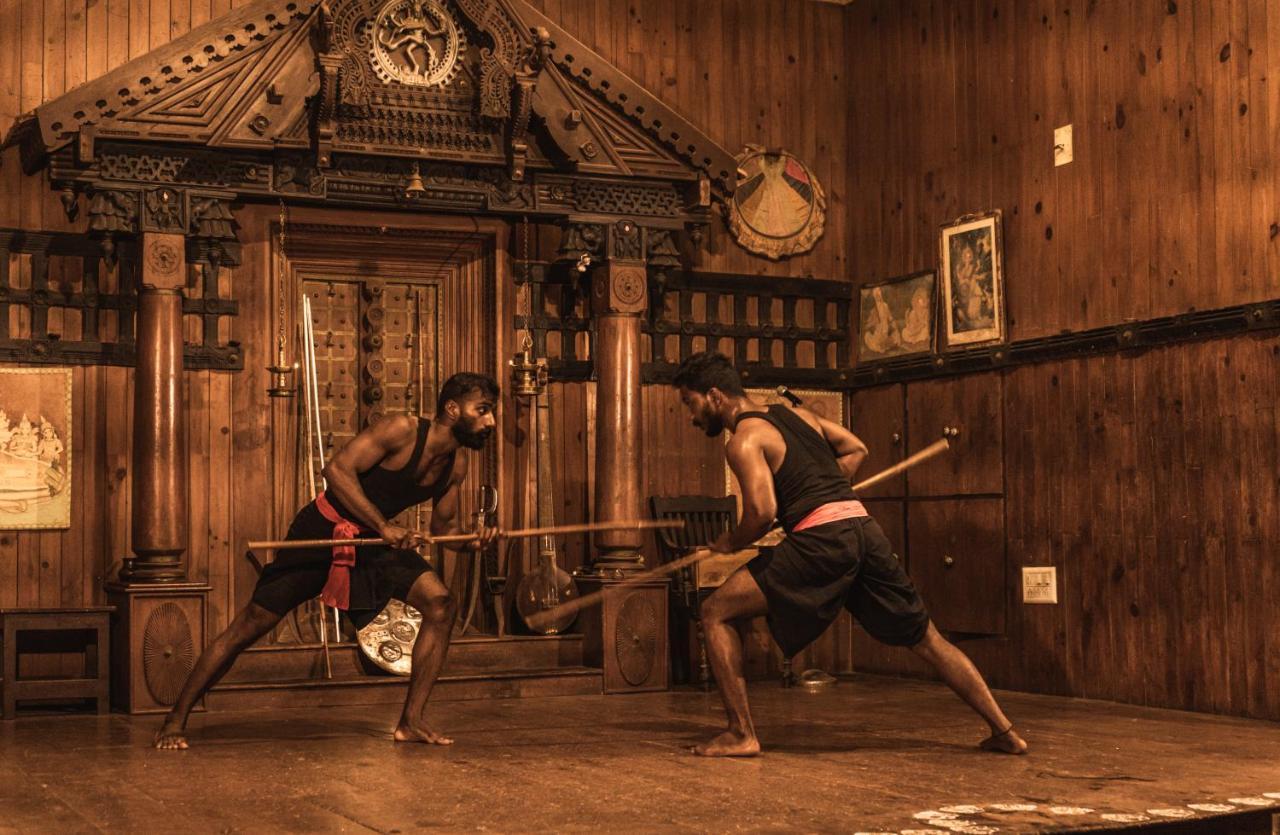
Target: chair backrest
[{"x": 705, "y": 519}]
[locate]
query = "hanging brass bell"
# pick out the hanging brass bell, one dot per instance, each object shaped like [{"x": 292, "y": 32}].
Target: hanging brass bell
[{"x": 414, "y": 188}]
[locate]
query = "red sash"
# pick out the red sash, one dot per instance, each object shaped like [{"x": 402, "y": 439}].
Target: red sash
[
  {"x": 337, "y": 589},
  {"x": 831, "y": 512}
]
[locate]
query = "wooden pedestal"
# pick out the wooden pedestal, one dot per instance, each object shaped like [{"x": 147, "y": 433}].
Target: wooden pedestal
[
  {"x": 157, "y": 634},
  {"x": 626, "y": 636}
]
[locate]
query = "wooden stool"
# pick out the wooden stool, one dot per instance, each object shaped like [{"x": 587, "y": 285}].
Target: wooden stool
[{"x": 97, "y": 651}]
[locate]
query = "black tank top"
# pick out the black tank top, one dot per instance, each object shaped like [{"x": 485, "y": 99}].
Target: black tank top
[
  {"x": 809, "y": 476},
  {"x": 392, "y": 491}
]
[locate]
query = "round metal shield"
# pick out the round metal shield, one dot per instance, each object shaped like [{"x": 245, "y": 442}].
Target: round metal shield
[{"x": 388, "y": 639}]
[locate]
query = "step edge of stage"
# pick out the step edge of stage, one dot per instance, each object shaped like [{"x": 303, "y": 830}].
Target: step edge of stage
[
  {"x": 391, "y": 681},
  {"x": 455, "y": 641}
]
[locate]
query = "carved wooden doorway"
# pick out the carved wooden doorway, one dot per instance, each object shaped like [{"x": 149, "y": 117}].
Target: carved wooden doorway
[{"x": 395, "y": 311}]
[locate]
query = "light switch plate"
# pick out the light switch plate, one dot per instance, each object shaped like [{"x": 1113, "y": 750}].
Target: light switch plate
[
  {"x": 1039, "y": 584},
  {"x": 1063, "y": 152}
]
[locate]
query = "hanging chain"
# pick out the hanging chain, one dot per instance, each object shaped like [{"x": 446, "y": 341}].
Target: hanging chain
[
  {"x": 526, "y": 341},
  {"x": 280, "y": 273}
]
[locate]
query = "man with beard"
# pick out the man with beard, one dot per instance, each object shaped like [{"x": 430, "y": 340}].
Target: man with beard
[
  {"x": 796, "y": 467},
  {"x": 391, "y": 466}
]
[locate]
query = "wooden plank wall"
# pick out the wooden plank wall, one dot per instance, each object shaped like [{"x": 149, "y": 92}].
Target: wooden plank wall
[
  {"x": 768, "y": 72},
  {"x": 1171, "y": 203},
  {"x": 1148, "y": 480}
]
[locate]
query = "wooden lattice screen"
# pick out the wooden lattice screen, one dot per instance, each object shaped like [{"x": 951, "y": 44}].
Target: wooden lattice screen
[
  {"x": 62, "y": 302},
  {"x": 776, "y": 329}
]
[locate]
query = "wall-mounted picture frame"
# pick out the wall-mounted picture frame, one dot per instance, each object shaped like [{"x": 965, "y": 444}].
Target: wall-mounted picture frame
[
  {"x": 898, "y": 317},
  {"x": 35, "y": 448},
  {"x": 971, "y": 265}
]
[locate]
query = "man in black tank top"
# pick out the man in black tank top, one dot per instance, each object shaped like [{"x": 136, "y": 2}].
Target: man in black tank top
[
  {"x": 396, "y": 463},
  {"x": 795, "y": 467}
]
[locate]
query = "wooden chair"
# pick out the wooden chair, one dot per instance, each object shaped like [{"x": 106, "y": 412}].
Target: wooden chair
[{"x": 705, "y": 518}]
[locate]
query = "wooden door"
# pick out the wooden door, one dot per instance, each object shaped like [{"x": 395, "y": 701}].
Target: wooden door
[
  {"x": 970, "y": 412},
  {"x": 878, "y": 418},
  {"x": 957, "y": 562}
]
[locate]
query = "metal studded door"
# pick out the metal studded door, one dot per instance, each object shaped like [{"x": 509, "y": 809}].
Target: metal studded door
[{"x": 377, "y": 351}]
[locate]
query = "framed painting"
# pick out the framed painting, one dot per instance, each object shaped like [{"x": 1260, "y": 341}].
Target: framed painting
[
  {"x": 35, "y": 448},
  {"x": 972, "y": 268},
  {"x": 897, "y": 317}
]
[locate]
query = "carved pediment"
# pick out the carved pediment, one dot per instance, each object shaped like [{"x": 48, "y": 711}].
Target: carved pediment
[{"x": 484, "y": 82}]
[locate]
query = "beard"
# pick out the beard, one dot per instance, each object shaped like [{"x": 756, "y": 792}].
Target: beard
[
  {"x": 711, "y": 424},
  {"x": 469, "y": 438}
]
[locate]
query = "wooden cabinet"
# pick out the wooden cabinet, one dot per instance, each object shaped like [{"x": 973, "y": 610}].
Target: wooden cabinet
[
  {"x": 945, "y": 517},
  {"x": 957, "y": 561},
  {"x": 969, "y": 410},
  {"x": 877, "y": 417}
]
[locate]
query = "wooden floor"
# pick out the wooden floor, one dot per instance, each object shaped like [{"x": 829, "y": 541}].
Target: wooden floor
[{"x": 871, "y": 754}]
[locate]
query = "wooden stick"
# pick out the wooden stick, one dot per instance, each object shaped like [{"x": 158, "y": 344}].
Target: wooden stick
[
  {"x": 934, "y": 449},
  {"x": 538, "y": 619},
  {"x": 423, "y": 539}
]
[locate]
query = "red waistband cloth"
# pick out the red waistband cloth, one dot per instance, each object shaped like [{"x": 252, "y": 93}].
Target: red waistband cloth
[
  {"x": 831, "y": 512},
  {"x": 337, "y": 589}
]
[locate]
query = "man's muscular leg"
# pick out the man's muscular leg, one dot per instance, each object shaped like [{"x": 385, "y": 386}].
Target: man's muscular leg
[
  {"x": 439, "y": 611},
  {"x": 249, "y": 625},
  {"x": 725, "y": 615},
  {"x": 961, "y": 676}
]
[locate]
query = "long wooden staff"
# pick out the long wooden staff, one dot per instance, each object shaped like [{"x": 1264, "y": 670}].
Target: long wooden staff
[
  {"x": 423, "y": 539},
  {"x": 539, "y": 619},
  {"x": 934, "y": 449}
]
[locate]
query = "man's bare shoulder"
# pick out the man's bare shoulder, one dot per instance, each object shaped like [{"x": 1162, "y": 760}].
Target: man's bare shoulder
[
  {"x": 396, "y": 430},
  {"x": 752, "y": 434}
]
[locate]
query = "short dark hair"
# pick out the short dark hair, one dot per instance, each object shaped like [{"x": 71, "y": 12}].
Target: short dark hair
[
  {"x": 707, "y": 370},
  {"x": 463, "y": 383}
]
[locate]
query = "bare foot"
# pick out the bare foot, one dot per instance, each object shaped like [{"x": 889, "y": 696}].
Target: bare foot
[
  {"x": 171, "y": 736},
  {"x": 409, "y": 733},
  {"x": 729, "y": 744},
  {"x": 1007, "y": 742}
]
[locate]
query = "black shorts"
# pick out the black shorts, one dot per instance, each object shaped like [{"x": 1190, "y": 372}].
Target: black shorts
[
  {"x": 848, "y": 564},
  {"x": 299, "y": 575}
]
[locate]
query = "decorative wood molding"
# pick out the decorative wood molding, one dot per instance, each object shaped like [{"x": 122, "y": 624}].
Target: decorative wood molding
[
  {"x": 1130, "y": 337},
  {"x": 298, "y": 99}
]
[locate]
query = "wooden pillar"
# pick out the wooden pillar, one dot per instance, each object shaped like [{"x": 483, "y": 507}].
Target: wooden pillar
[
  {"x": 159, "y": 624},
  {"x": 159, "y": 451},
  {"x": 619, "y": 298}
]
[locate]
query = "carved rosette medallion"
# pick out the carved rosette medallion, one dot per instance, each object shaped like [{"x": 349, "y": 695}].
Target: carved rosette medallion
[
  {"x": 628, "y": 286},
  {"x": 415, "y": 42},
  {"x": 163, "y": 258},
  {"x": 168, "y": 652},
  {"x": 636, "y": 639},
  {"x": 620, "y": 289}
]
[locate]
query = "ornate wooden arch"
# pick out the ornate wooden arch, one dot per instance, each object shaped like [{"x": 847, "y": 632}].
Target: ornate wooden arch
[{"x": 298, "y": 100}]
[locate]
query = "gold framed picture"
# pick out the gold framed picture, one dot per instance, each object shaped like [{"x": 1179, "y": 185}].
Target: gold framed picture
[
  {"x": 972, "y": 269},
  {"x": 897, "y": 318},
  {"x": 35, "y": 448}
]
